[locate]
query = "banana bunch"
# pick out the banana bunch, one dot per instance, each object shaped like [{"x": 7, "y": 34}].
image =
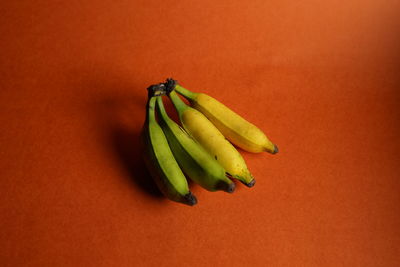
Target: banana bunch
[{"x": 202, "y": 148}]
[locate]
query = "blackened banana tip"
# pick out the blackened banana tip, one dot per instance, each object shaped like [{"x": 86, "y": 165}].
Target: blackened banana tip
[
  {"x": 190, "y": 199},
  {"x": 276, "y": 149},
  {"x": 252, "y": 183},
  {"x": 230, "y": 188}
]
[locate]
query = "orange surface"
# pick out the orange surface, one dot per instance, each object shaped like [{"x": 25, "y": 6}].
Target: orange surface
[{"x": 320, "y": 77}]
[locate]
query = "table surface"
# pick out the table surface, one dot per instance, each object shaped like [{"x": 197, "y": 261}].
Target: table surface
[{"x": 321, "y": 78}]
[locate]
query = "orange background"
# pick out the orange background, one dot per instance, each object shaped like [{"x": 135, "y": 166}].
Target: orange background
[{"x": 321, "y": 78}]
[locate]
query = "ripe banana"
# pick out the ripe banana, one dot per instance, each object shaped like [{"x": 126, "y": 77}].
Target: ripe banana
[
  {"x": 195, "y": 162},
  {"x": 236, "y": 129},
  {"x": 202, "y": 130},
  {"x": 161, "y": 162}
]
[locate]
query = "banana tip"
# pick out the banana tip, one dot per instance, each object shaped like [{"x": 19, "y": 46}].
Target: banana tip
[
  {"x": 251, "y": 183},
  {"x": 190, "y": 199},
  {"x": 230, "y": 188},
  {"x": 276, "y": 149}
]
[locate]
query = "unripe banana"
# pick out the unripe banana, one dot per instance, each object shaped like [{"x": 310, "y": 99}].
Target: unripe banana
[
  {"x": 235, "y": 128},
  {"x": 195, "y": 162},
  {"x": 202, "y": 130},
  {"x": 160, "y": 161}
]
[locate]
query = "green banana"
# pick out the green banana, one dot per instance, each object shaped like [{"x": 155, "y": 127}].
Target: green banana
[
  {"x": 197, "y": 164},
  {"x": 160, "y": 161}
]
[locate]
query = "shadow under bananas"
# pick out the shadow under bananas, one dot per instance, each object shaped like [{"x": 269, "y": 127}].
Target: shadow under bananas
[
  {"x": 119, "y": 112},
  {"x": 127, "y": 148}
]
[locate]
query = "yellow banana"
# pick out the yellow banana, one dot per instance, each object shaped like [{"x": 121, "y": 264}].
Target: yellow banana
[
  {"x": 202, "y": 130},
  {"x": 236, "y": 129}
]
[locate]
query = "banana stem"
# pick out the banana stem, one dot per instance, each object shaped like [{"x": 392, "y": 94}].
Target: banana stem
[
  {"x": 185, "y": 92},
  {"x": 180, "y": 106},
  {"x": 161, "y": 109},
  {"x": 150, "y": 109}
]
